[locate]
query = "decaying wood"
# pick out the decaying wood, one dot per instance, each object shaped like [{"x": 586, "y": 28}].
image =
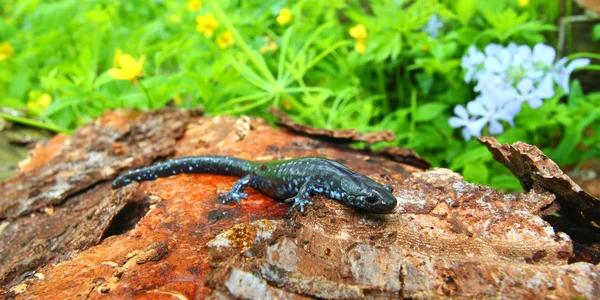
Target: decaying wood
[
  {"x": 94, "y": 153},
  {"x": 532, "y": 167},
  {"x": 39, "y": 225},
  {"x": 579, "y": 211},
  {"x": 447, "y": 238}
]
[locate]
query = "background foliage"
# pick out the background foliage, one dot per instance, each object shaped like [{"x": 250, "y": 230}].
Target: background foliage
[{"x": 56, "y": 67}]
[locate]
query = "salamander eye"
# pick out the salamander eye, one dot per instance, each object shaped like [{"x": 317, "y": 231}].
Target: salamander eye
[
  {"x": 389, "y": 188},
  {"x": 371, "y": 199}
]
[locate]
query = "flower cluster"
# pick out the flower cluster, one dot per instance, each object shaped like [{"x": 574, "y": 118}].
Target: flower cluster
[
  {"x": 207, "y": 24},
  {"x": 506, "y": 77},
  {"x": 38, "y": 102},
  {"x": 269, "y": 46}
]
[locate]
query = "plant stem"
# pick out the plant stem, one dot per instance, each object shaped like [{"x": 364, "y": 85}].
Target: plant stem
[
  {"x": 34, "y": 123},
  {"x": 569, "y": 13},
  {"x": 585, "y": 55},
  {"x": 413, "y": 114},
  {"x": 591, "y": 68},
  {"x": 150, "y": 102}
]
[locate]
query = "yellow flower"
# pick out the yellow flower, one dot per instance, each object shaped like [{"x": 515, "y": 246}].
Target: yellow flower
[
  {"x": 117, "y": 57},
  {"x": 358, "y": 32},
  {"x": 32, "y": 106},
  {"x": 6, "y": 50},
  {"x": 285, "y": 16},
  {"x": 523, "y": 3},
  {"x": 286, "y": 104},
  {"x": 174, "y": 19},
  {"x": 177, "y": 99},
  {"x": 45, "y": 100},
  {"x": 264, "y": 49},
  {"x": 425, "y": 48},
  {"x": 130, "y": 69},
  {"x": 269, "y": 46},
  {"x": 207, "y": 24},
  {"x": 39, "y": 105},
  {"x": 272, "y": 46},
  {"x": 194, "y": 5},
  {"x": 225, "y": 40},
  {"x": 360, "y": 46}
]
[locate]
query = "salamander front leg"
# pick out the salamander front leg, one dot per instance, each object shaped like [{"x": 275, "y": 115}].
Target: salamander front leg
[
  {"x": 303, "y": 197},
  {"x": 237, "y": 191}
]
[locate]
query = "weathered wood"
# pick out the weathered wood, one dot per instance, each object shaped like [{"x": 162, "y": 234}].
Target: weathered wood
[
  {"x": 60, "y": 203},
  {"x": 533, "y": 168}
]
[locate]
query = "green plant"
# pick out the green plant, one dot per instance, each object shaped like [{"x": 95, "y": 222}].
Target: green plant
[{"x": 403, "y": 72}]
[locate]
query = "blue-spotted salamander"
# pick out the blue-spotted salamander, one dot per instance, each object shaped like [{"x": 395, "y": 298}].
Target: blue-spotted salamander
[{"x": 293, "y": 180}]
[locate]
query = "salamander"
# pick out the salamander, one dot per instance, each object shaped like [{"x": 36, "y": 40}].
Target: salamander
[{"x": 293, "y": 180}]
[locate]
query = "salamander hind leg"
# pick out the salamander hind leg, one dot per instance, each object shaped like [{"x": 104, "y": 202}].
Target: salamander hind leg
[
  {"x": 237, "y": 191},
  {"x": 302, "y": 199}
]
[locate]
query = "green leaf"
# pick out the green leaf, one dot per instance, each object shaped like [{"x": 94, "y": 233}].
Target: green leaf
[
  {"x": 19, "y": 85},
  {"x": 477, "y": 154},
  {"x": 506, "y": 181},
  {"x": 12, "y": 103},
  {"x": 476, "y": 172},
  {"x": 5, "y": 30},
  {"x": 23, "y": 7},
  {"x": 103, "y": 79},
  {"x": 485, "y": 6},
  {"x": 512, "y": 135},
  {"x": 64, "y": 118},
  {"x": 465, "y": 9},
  {"x": 596, "y": 33},
  {"x": 427, "y": 137},
  {"x": 425, "y": 82},
  {"x": 53, "y": 15},
  {"x": 564, "y": 151},
  {"x": 576, "y": 96},
  {"x": 429, "y": 111},
  {"x": 566, "y": 146}
]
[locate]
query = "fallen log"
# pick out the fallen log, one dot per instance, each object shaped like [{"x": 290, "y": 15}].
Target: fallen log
[{"x": 172, "y": 237}]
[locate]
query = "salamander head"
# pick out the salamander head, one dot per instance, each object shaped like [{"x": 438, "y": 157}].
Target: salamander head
[{"x": 372, "y": 197}]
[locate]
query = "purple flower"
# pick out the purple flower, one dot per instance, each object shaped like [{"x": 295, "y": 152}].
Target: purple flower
[
  {"x": 493, "y": 83},
  {"x": 432, "y": 28},
  {"x": 500, "y": 62},
  {"x": 472, "y": 63},
  {"x": 543, "y": 54},
  {"x": 506, "y": 77},
  {"x": 471, "y": 126},
  {"x": 492, "y": 49},
  {"x": 561, "y": 73},
  {"x": 491, "y": 109},
  {"x": 522, "y": 55},
  {"x": 527, "y": 92},
  {"x": 485, "y": 109}
]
